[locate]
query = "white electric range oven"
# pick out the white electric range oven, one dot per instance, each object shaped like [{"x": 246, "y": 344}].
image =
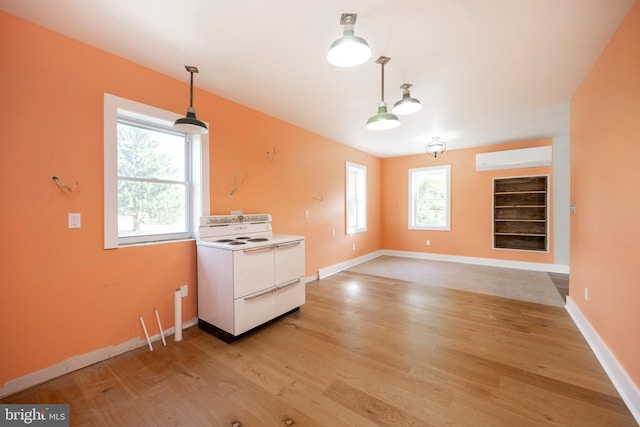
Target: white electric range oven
[{"x": 247, "y": 276}]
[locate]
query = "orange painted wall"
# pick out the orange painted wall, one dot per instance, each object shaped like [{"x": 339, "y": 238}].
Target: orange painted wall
[
  {"x": 61, "y": 293},
  {"x": 471, "y": 207},
  {"x": 605, "y": 175}
]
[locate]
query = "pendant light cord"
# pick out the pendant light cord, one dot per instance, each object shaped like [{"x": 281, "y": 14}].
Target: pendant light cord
[
  {"x": 191, "y": 91},
  {"x": 382, "y": 84}
]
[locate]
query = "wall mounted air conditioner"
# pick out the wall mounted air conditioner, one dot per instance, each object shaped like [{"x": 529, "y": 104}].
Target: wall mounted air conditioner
[{"x": 514, "y": 159}]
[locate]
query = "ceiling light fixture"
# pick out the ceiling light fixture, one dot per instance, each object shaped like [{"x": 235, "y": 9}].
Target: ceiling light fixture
[
  {"x": 190, "y": 124},
  {"x": 435, "y": 147},
  {"x": 383, "y": 120},
  {"x": 407, "y": 105},
  {"x": 349, "y": 50}
]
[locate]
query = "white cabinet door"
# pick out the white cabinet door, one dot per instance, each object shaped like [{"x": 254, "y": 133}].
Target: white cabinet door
[
  {"x": 289, "y": 261},
  {"x": 252, "y": 270}
]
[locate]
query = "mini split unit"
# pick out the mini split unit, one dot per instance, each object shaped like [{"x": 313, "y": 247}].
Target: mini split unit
[{"x": 514, "y": 159}]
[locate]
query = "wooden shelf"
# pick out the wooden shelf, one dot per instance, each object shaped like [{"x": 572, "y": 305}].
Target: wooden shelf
[{"x": 520, "y": 213}]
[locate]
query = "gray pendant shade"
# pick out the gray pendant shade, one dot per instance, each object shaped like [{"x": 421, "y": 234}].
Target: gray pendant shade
[
  {"x": 189, "y": 123},
  {"x": 407, "y": 105}
]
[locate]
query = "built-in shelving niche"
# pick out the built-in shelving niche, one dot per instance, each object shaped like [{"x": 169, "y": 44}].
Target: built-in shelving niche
[{"x": 520, "y": 211}]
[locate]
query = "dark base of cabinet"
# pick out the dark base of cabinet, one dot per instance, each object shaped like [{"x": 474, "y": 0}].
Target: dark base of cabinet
[
  {"x": 230, "y": 338},
  {"x": 527, "y": 243}
]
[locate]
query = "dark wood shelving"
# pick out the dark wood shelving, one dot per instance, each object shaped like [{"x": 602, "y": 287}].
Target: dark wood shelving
[{"x": 520, "y": 213}]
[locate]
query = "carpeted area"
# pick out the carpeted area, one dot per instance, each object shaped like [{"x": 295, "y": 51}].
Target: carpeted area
[{"x": 524, "y": 285}]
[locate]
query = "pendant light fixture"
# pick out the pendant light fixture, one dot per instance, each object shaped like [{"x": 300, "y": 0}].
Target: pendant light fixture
[
  {"x": 383, "y": 120},
  {"x": 349, "y": 50},
  {"x": 190, "y": 124},
  {"x": 435, "y": 147},
  {"x": 407, "y": 105}
]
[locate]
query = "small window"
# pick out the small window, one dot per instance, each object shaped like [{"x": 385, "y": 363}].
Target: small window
[
  {"x": 155, "y": 178},
  {"x": 356, "y": 198},
  {"x": 430, "y": 198}
]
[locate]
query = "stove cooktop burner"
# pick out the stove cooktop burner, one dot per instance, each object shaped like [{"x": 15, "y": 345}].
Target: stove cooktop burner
[
  {"x": 258, "y": 239},
  {"x": 224, "y": 240},
  {"x": 237, "y": 242}
]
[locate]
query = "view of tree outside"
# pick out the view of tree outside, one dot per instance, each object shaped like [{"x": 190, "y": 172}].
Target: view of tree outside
[
  {"x": 429, "y": 197},
  {"x": 430, "y": 209},
  {"x": 152, "y": 183}
]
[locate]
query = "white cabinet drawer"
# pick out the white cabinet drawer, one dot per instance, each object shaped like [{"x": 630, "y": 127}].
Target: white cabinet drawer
[
  {"x": 253, "y": 310},
  {"x": 289, "y": 296}
]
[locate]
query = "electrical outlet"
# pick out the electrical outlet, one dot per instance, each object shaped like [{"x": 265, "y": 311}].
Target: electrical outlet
[
  {"x": 184, "y": 291},
  {"x": 74, "y": 220},
  {"x": 306, "y": 213},
  {"x": 354, "y": 246},
  {"x": 333, "y": 233},
  {"x": 428, "y": 242},
  {"x": 586, "y": 294}
]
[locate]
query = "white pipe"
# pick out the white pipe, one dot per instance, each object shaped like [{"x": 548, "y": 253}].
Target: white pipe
[
  {"x": 144, "y": 328},
  {"x": 178, "y": 314},
  {"x": 160, "y": 327}
]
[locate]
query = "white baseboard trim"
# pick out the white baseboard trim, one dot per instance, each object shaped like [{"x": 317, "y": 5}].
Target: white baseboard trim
[
  {"x": 535, "y": 266},
  {"x": 336, "y": 268},
  {"x": 621, "y": 381},
  {"x": 522, "y": 265},
  {"x": 83, "y": 360}
]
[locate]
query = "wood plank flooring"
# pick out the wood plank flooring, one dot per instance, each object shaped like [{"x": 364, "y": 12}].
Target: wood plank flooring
[{"x": 363, "y": 351}]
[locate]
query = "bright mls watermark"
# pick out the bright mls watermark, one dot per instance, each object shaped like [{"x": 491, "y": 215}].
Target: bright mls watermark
[{"x": 34, "y": 415}]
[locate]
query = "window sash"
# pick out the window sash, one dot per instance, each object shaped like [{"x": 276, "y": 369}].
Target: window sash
[
  {"x": 356, "y": 198},
  {"x": 430, "y": 198}
]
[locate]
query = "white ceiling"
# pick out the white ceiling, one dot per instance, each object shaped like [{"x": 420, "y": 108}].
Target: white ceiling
[{"x": 486, "y": 71}]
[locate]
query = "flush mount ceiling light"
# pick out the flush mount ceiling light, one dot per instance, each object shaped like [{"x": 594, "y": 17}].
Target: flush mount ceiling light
[
  {"x": 383, "y": 120},
  {"x": 435, "y": 147},
  {"x": 349, "y": 50},
  {"x": 190, "y": 124},
  {"x": 407, "y": 105}
]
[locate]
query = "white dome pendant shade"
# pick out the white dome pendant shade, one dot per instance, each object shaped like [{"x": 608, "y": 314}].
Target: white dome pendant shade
[
  {"x": 349, "y": 50},
  {"x": 407, "y": 105},
  {"x": 189, "y": 123},
  {"x": 382, "y": 120}
]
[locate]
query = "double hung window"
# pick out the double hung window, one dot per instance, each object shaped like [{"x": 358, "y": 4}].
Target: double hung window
[
  {"x": 430, "y": 198},
  {"x": 356, "y": 198},
  {"x": 150, "y": 194}
]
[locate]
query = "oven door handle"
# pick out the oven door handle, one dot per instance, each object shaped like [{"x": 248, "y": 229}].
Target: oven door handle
[
  {"x": 260, "y": 294},
  {"x": 259, "y": 249},
  {"x": 287, "y": 244},
  {"x": 290, "y": 283}
]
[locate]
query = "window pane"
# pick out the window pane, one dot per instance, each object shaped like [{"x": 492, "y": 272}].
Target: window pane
[
  {"x": 356, "y": 198},
  {"x": 146, "y": 208},
  {"x": 149, "y": 153},
  {"x": 429, "y": 193}
]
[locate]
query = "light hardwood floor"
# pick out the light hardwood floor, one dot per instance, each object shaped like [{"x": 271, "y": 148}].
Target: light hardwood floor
[{"x": 363, "y": 351}]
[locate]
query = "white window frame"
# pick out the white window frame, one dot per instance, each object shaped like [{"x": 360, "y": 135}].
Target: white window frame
[
  {"x": 360, "y": 172},
  {"x": 413, "y": 194},
  {"x": 199, "y": 179}
]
